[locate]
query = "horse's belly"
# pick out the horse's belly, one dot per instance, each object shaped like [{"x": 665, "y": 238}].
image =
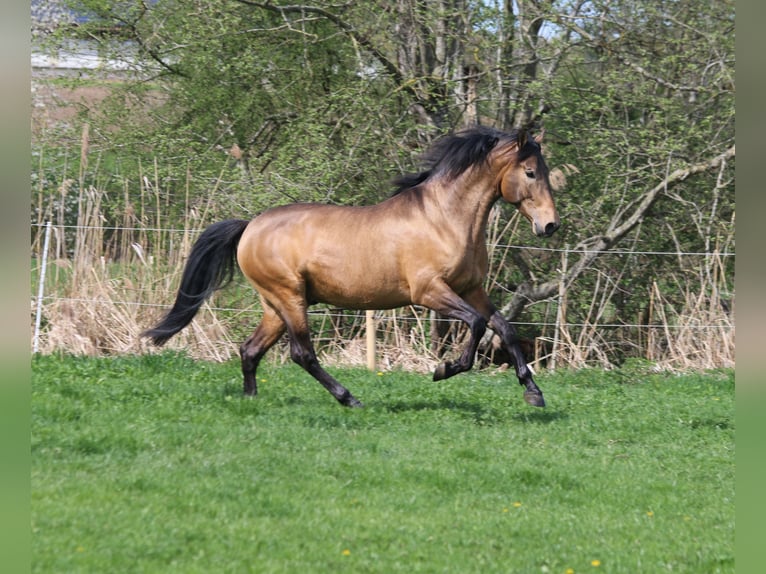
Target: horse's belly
[{"x": 360, "y": 289}]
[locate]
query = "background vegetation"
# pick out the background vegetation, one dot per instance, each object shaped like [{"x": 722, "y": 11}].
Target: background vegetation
[{"x": 232, "y": 107}]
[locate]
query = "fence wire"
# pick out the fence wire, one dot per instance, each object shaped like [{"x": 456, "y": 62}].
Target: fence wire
[
  {"x": 385, "y": 319},
  {"x": 497, "y": 245}
]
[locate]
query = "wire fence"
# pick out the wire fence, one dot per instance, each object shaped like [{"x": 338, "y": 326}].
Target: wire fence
[
  {"x": 381, "y": 316},
  {"x": 574, "y": 250},
  {"x": 136, "y": 298}
]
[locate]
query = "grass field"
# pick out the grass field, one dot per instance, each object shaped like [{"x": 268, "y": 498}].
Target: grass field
[{"x": 157, "y": 464}]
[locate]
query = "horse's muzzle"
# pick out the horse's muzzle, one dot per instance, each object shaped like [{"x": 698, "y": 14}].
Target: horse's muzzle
[{"x": 548, "y": 230}]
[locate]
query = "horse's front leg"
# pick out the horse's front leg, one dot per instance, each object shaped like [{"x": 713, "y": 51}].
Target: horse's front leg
[
  {"x": 478, "y": 326},
  {"x": 510, "y": 341},
  {"x": 442, "y": 299}
]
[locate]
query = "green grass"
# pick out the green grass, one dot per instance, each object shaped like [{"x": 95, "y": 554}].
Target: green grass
[{"x": 157, "y": 464}]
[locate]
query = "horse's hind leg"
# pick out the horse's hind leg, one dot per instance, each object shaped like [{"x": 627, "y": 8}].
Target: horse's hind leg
[
  {"x": 302, "y": 352},
  {"x": 252, "y": 350}
]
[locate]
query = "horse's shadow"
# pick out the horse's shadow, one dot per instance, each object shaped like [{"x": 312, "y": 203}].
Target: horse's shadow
[
  {"x": 480, "y": 413},
  {"x": 539, "y": 416}
]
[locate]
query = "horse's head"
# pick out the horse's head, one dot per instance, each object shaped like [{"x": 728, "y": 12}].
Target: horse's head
[{"x": 524, "y": 183}]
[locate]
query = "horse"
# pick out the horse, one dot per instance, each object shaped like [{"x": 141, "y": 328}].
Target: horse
[{"x": 423, "y": 245}]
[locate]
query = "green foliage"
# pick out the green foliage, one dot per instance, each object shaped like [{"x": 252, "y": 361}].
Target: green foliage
[
  {"x": 239, "y": 106},
  {"x": 156, "y": 463},
  {"x": 293, "y": 99}
]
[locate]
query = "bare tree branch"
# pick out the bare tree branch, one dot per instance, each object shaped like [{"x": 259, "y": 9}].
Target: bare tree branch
[
  {"x": 137, "y": 37},
  {"x": 347, "y": 28},
  {"x": 570, "y": 23}
]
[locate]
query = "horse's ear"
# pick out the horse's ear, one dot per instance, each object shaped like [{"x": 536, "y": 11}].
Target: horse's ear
[
  {"x": 521, "y": 139},
  {"x": 539, "y": 137}
]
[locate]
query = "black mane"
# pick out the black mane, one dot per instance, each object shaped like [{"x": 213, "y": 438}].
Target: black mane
[{"x": 452, "y": 154}]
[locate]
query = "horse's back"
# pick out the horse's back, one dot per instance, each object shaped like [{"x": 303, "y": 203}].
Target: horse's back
[{"x": 331, "y": 254}]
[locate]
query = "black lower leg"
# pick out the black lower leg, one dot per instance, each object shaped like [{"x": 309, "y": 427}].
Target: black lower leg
[
  {"x": 303, "y": 353},
  {"x": 255, "y": 347},
  {"x": 478, "y": 327},
  {"x": 250, "y": 362},
  {"x": 341, "y": 393},
  {"x": 532, "y": 393}
]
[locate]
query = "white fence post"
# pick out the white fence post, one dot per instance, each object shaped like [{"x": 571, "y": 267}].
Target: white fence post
[{"x": 41, "y": 287}]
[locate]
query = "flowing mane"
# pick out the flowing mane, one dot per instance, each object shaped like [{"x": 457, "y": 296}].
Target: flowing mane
[{"x": 453, "y": 154}]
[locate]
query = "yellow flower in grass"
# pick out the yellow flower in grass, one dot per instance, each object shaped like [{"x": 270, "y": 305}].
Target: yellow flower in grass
[
  {"x": 569, "y": 571},
  {"x": 346, "y": 552},
  {"x": 517, "y": 504},
  {"x": 595, "y": 563}
]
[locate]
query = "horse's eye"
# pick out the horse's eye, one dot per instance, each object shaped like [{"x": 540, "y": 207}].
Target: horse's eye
[{"x": 530, "y": 174}]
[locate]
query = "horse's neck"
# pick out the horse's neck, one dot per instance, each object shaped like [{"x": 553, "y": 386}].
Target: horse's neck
[{"x": 466, "y": 203}]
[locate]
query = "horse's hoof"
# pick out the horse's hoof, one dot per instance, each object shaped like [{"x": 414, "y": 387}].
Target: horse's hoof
[
  {"x": 534, "y": 398},
  {"x": 352, "y": 403},
  {"x": 440, "y": 372}
]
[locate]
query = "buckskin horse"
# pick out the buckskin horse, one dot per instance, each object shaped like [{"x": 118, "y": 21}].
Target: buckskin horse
[{"x": 424, "y": 245}]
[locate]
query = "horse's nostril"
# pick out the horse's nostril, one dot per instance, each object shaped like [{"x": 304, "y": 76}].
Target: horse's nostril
[{"x": 551, "y": 228}]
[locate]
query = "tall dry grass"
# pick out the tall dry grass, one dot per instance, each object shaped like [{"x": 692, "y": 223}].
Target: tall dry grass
[
  {"x": 110, "y": 286},
  {"x": 697, "y": 333},
  {"x": 98, "y": 300},
  {"x": 700, "y": 333}
]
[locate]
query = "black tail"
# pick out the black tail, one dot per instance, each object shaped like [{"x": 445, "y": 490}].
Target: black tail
[{"x": 211, "y": 265}]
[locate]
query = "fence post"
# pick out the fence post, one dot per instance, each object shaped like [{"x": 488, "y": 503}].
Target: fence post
[
  {"x": 41, "y": 287},
  {"x": 560, "y": 308},
  {"x": 370, "y": 327}
]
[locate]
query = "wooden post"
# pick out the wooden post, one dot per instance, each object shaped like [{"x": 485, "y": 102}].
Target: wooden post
[
  {"x": 560, "y": 310},
  {"x": 370, "y": 326}
]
